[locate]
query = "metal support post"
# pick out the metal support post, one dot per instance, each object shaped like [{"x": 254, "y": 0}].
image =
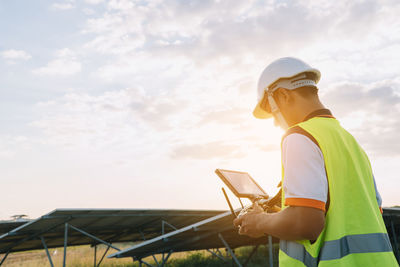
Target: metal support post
[
  {"x": 219, "y": 252},
  {"x": 216, "y": 255},
  {"x": 95, "y": 252},
  {"x": 4, "y": 258},
  {"x": 230, "y": 250},
  {"x": 271, "y": 254},
  {"x": 163, "y": 223},
  {"x": 166, "y": 258},
  {"x": 396, "y": 245},
  {"x": 47, "y": 251},
  {"x": 93, "y": 237},
  {"x": 147, "y": 264},
  {"x": 102, "y": 258},
  {"x": 183, "y": 243},
  {"x": 154, "y": 257},
  {"x": 251, "y": 255},
  {"x": 65, "y": 244}
]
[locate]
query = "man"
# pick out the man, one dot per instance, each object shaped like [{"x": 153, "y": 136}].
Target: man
[{"x": 331, "y": 213}]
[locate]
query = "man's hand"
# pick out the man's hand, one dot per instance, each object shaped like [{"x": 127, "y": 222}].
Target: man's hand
[
  {"x": 248, "y": 223},
  {"x": 292, "y": 223}
]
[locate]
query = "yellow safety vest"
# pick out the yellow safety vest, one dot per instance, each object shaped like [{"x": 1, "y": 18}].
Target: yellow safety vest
[{"x": 354, "y": 233}]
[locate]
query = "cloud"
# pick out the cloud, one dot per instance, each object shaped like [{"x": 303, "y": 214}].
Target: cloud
[
  {"x": 228, "y": 116},
  {"x": 377, "y": 99},
  {"x": 11, "y": 145},
  {"x": 119, "y": 118},
  {"x": 65, "y": 5},
  {"x": 212, "y": 46},
  {"x": 196, "y": 64},
  {"x": 206, "y": 31},
  {"x": 359, "y": 18},
  {"x": 13, "y": 54},
  {"x": 65, "y": 63},
  {"x": 94, "y": 2},
  {"x": 372, "y": 113},
  {"x": 207, "y": 151},
  {"x": 88, "y": 11}
]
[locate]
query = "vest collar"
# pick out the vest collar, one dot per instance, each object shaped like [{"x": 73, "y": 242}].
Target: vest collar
[{"x": 319, "y": 113}]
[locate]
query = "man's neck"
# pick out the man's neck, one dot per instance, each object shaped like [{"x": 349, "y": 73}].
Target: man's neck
[{"x": 303, "y": 110}]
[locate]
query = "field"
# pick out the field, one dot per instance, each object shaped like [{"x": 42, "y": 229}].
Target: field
[{"x": 82, "y": 256}]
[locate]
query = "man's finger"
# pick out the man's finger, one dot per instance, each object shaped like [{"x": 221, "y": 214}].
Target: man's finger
[
  {"x": 242, "y": 230},
  {"x": 237, "y": 221}
]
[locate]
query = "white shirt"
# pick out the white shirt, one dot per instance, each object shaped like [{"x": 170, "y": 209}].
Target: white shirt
[{"x": 305, "y": 182}]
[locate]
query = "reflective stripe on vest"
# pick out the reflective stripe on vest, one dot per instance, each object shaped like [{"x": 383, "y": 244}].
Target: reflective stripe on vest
[
  {"x": 298, "y": 252},
  {"x": 336, "y": 249}
]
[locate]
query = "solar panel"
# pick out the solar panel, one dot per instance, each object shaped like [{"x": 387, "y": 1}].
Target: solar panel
[
  {"x": 391, "y": 216},
  {"x": 6, "y": 226},
  {"x": 201, "y": 235},
  {"x": 110, "y": 225}
]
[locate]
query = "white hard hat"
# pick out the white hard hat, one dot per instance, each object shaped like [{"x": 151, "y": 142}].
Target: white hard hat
[{"x": 283, "y": 68}]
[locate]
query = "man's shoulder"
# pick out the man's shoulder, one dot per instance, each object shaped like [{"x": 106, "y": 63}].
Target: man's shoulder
[{"x": 301, "y": 131}]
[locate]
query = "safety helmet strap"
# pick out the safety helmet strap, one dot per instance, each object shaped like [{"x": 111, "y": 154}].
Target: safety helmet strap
[{"x": 276, "y": 111}]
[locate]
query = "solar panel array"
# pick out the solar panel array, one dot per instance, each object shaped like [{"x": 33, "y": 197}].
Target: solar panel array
[
  {"x": 126, "y": 225},
  {"x": 163, "y": 230}
]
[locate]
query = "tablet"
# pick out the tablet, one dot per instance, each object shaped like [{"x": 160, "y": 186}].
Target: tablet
[{"x": 241, "y": 184}]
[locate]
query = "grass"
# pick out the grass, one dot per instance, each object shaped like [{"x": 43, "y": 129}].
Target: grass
[
  {"x": 205, "y": 259},
  {"x": 82, "y": 256}
]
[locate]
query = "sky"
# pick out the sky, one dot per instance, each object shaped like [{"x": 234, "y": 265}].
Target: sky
[{"x": 134, "y": 104}]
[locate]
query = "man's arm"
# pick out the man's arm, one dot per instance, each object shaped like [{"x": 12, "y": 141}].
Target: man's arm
[
  {"x": 292, "y": 223},
  {"x": 305, "y": 186}
]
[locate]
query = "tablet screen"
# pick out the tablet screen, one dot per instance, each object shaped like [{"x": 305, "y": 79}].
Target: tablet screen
[{"x": 241, "y": 183}]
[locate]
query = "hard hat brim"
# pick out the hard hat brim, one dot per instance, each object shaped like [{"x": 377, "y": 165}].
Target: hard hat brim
[{"x": 260, "y": 113}]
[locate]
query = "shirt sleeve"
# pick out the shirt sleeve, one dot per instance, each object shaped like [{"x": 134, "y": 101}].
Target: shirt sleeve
[
  {"x": 378, "y": 196},
  {"x": 305, "y": 183}
]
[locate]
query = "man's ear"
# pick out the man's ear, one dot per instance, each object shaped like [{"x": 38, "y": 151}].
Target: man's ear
[{"x": 284, "y": 96}]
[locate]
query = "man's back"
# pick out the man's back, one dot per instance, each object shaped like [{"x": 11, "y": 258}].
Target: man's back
[{"x": 354, "y": 232}]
